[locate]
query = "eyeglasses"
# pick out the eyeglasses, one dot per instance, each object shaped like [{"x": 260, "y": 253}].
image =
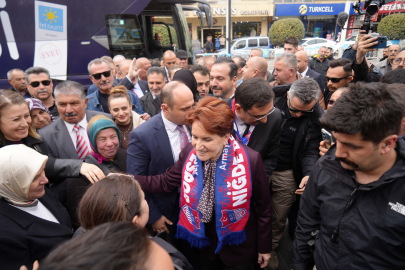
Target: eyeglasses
[
  {"x": 298, "y": 111},
  {"x": 106, "y": 74},
  {"x": 259, "y": 119},
  {"x": 44, "y": 83},
  {"x": 331, "y": 102},
  {"x": 335, "y": 80},
  {"x": 398, "y": 61}
]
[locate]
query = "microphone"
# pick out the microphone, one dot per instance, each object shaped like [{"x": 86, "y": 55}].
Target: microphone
[{"x": 342, "y": 18}]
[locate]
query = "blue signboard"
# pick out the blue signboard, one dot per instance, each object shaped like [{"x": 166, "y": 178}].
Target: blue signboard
[{"x": 309, "y": 9}]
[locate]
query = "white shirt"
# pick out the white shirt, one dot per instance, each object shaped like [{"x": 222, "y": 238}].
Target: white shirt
[
  {"x": 137, "y": 90},
  {"x": 83, "y": 131},
  {"x": 174, "y": 137},
  {"x": 242, "y": 125},
  {"x": 39, "y": 211},
  {"x": 167, "y": 74},
  {"x": 304, "y": 73}
]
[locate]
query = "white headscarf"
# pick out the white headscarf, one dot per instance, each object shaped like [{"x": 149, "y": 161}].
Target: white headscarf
[{"x": 19, "y": 165}]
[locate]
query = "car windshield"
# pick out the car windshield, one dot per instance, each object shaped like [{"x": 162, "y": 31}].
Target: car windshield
[{"x": 303, "y": 41}]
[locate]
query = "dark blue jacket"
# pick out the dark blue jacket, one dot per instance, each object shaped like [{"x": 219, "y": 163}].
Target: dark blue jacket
[{"x": 94, "y": 103}]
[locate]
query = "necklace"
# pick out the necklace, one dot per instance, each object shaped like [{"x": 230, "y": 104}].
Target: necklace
[{"x": 128, "y": 130}]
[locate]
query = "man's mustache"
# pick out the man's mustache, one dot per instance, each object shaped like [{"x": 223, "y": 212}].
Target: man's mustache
[
  {"x": 70, "y": 114},
  {"x": 350, "y": 163},
  {"x": 42, "y": 91},
  {"x": 216, "y": 88}
]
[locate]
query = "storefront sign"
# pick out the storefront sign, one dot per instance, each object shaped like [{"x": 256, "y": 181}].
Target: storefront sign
[
  {"x": 385, "y": 9},
  {"x": 309, "y": 9},
  {"x": 239, "y": 10}
]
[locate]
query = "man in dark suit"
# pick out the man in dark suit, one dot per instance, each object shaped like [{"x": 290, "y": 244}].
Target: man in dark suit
[
  {"x": 67, "y": 136},
  {"x": 130, "y": 79},
  {"x": 304, "y": 71},
  {"x": 155, "y": 146},
  {"x": 257, "y": 122},
  {"x": 156, "y": 81},
  {"x": 18, "y": 82}
]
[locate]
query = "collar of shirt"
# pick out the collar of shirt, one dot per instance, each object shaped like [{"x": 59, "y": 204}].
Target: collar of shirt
[
  {"x": 83, "y": 123},
  {"x": 154, "y": 97},
  {"x": 167, "y": 74},
  {"x": 305, "y": 72},
  {"x": 168, "y": 124}
]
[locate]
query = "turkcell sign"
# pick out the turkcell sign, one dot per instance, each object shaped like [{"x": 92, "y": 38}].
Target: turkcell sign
[{"x": 309, "y": 9}]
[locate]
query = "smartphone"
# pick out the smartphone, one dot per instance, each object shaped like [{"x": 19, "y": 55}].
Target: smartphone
[
  {"x": 382, "y": 43},
  {"x": 328, "y": 138}
]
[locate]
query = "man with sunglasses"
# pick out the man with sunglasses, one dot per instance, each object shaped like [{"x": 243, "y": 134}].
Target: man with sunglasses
[
  {"x": 338, "y": 75},
  {"x": 298, "y": 152},
  {"x": 102, "y": 76},
  {"x": 40, "y": 86}
]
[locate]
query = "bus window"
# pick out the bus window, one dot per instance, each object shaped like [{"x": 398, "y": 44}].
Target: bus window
[{"x": 125, "y": 36}]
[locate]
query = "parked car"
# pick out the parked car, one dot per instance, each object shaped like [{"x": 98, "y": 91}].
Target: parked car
[
  {"x": 312, "y": 45},
  {"x": 242, "y": 46}
]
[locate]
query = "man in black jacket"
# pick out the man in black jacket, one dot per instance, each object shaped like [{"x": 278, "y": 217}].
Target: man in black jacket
[
  {"x": 298, "y": 151},
  {"x": 257, "y": 122},
  {"x": 353, "y": 204}
]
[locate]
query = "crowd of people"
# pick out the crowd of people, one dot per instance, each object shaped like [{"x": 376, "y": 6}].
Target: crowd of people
[{"x": 166, "y": 165}]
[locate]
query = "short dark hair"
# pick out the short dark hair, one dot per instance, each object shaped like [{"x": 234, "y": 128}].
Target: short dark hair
[
  {"x": 400, "y": 90},
  {"x": 112, "y": 245},
  {"x": 330, "y": 49},
  {"x": 394, "y": 76},
  {"x": 156, "y": 70},
  {"x": 372, "y": 110},
  {"x": 341, "y": 62},
  {"x": 155, "y": 62},
  {"x": 232, "y": 66},
  {"x": 241, "y": 61},
  {"x": 203, "y": 70},
  {"x": 253, "y": 92},
  {"x": 292, "y": 40}
]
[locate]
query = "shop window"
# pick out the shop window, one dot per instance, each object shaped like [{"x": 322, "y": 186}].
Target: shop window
[
  {"x": 253, "y": 43},
  {"x": 264, "y": 42},
  {"x": 241, "y": 44}
]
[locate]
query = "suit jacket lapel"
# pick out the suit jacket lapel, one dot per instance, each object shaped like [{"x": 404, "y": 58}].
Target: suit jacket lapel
[
  {"x": 163, "y": 141},
  {"x": 254, "y": 139},
  {"x": 64, "y": 140}
]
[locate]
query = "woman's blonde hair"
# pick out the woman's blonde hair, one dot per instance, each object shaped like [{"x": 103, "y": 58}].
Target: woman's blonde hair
[
  {"x": 119, "y": 92},
  {"x": 9, "y": 98}
]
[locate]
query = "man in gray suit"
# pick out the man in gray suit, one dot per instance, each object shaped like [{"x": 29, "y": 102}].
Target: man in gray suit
[
  {"x": 150, "y": 102},
  {"x": 62, "y": 135}
]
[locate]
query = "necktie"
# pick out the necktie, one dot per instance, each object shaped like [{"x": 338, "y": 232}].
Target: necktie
[
  {"x": 246, "y": 130},
  {"x": 183, "y": 137},
  {"x": 157, "y": 104},
  {"x": 81, "y": 146}
]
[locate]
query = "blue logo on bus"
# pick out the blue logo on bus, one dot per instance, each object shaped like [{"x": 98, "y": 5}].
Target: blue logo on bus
[{"x": 50, "y": 18}]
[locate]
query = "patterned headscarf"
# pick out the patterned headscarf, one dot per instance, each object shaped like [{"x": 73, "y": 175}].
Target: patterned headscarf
[{"x": 34, "y": 103}]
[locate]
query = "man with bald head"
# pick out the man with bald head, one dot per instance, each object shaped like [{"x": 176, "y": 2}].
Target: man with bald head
[
  {"x": 256, "y": 67},
  {"x": 143, "y": 64},
  {"x": 304, "y": 71},
  {"x": 130, "y": 79},
  {"x": 258, "y": 52},
  {"x": 155, "y": 146},
  {"x": 169, "y": 59},
  {"x": 207, "y": 61},
  {"x": 117, "y": 60}
]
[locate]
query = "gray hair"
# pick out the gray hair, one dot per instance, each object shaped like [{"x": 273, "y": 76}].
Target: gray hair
[
  {"x": 306, "y": 89},
  {"x": 118, "y": 56},
  {"x": 157, "y": 70},
  {"x": 289, "y": 59},
  {"x": 70, "y": 88},
  {"x": 259, "y": 50},
  {"x": 37, "y": 71},
  {"x": 97, "y": 61},
  {"x": 10, "y": 73}
]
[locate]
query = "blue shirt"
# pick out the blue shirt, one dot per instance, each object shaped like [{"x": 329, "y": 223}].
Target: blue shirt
[
  {"x": 94, "y": 103},
  {"x": 26, "y": 95}
]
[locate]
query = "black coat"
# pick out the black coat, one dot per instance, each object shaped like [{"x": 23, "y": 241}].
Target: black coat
[
  {"x": 318, "y": 66},
  {"x": 370, "y": 219},
  {"x": 147, "y": 104},
  {"x": 318, "y": 78},
  {"x": 26, "y": 238},
  {"x": 76, "y": 187},
  {"x": 265, "y": 139},
  {"x": 306, "y": 145}
]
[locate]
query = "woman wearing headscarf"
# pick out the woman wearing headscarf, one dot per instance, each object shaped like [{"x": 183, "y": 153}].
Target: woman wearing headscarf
[
  {"x": 40, "y": 115},
  {"x": 185, "y": 76},
  {"x": 225, "y": 206},
  {"x": 32, "y": 219},
  {"x": 105, "y": 140}
]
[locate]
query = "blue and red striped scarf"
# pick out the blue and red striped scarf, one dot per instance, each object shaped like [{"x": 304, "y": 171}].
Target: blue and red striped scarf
[
  {"x": 233, "y": 191},
  {"x": 245, "y": 140}
]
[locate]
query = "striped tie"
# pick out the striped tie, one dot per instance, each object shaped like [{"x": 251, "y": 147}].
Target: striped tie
[{"x": 81, "y": 147}]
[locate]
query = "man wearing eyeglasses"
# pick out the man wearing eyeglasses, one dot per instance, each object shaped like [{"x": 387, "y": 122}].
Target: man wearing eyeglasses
[
  {"x": 399, "y": 61},
  {"x": 102, "y": 76},
  {"x": 338, "y": 75},
  {"x": 298, "y": 152},
  {"x": 40, "y": 86},
  {"x": 386, "y": 65}
]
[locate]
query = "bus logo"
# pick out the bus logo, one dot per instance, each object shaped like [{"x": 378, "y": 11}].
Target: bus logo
[{"x": 50, "y": 18}]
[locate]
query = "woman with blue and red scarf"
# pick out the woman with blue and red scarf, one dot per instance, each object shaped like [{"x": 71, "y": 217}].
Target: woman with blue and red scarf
[{"x": 225, "y": 206}]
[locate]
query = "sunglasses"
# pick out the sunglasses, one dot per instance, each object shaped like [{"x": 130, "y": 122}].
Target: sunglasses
[
  {"x": 97, "y": 76},
  {"x": 335, "y": 80},
  {"x": 298, "y": 111},
  {"x": 259, "y": 119},
  {"x": 44, "y": 83}
]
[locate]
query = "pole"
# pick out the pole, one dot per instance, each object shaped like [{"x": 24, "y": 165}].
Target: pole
[
  {"x": 228, "y": 28},
  {"x": 344, "y": 31}
]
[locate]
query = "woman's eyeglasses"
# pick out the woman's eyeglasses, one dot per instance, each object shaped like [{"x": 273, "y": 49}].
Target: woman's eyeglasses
[
  {"x": 335, "y": 80},
  {"x": 44, "y": 83},
  {"x": 106, "y": 74}
]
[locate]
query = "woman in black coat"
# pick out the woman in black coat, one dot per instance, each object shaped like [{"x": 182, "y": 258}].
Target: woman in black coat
[{"x": 32, "y": 220}]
